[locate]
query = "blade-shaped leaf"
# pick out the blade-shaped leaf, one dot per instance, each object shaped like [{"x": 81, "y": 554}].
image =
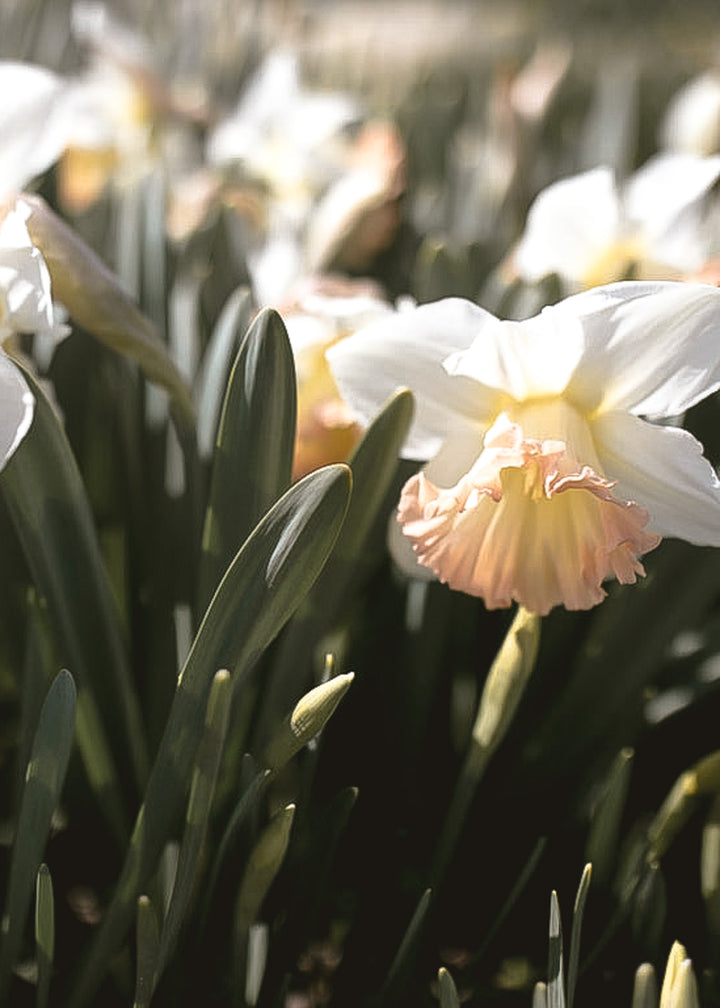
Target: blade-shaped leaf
[
  {"x": 50, "y": 511},
  {"x": 253, "y": 456},
  {"x": 264, "y": 584},
  {"x": 201, "y": 793},
  {"x": 373, "y": 465},
  {"x": 43, "y": 784},
  {"x": 44, "y": 933},
  {"x": 212, "y": 378}
]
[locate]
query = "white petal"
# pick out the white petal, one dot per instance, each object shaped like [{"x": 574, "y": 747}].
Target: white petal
[
  {"x": 17, "y": 407},
  {"x": 25, "y": 292},
  {"x": 650, "y": 348},
  {"x": 570, "y": 224},
  {"x": 664, "y": 186},
  {"x": 662, "y": 469},
  {"x": 692, "y": 119},
  {"x": 408, "y": 350},
  {"x": 526, "y": 360},
  {"x": 664, "y": 199},
  {"x": 33, "y": 122}
]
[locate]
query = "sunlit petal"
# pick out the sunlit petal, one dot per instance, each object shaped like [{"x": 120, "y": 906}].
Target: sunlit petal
[
  {"x": 650, "y": 348},
  {"x": 408, "y": 349},
  {"x": 17, "y": 407},
  {"x": 569, "y": 226},
  {"x": 664, "y": 468}
]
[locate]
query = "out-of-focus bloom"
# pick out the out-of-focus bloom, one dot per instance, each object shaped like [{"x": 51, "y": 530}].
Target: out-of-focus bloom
[
  {"x": 115, "y": 110},
  {"x": 590, "y": 231},
  {"x": 25, "y": 307},
  {"x": 284, "y": 134},
  {"x": 324, "y": 311},
  {"x": 545, "y": 477},
  {"x": 692, "y": 121},
  {"x": 33, "y": 122}
]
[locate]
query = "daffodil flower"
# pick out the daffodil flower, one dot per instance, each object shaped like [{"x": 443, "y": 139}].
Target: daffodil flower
[
  {"x": 546, "y": 472},
  {"x": 591, "y": 231},
  {"x": 25, "y": 307},
  {"x": 325, "y": 310}
]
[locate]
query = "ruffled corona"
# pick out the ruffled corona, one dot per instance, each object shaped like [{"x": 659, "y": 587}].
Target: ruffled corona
[{"x": 529, "y": 522}]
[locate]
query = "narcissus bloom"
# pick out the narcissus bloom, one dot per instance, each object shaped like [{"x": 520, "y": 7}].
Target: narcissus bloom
[
  {"x": 546, "y": 472},
  {"x": 590, "y": 230},
  {"x": 25, "y": 307}
]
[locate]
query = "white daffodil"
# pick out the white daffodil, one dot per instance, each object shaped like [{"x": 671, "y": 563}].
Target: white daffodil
[
  {"x": 591, "y": 231},
  {"x": 33, "y": 122},
  {"x": 25, "y": 307},
  {"x": 545, "y": 475},
  {"x": 323, "y": 311}
]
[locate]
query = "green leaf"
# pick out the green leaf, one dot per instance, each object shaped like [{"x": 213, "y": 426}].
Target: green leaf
[
  {"x": 404, "y": 959},
  {"x": 147, "y": 952},
  {"x": 578, "y": 911},
  {"x": 198, "y": 811},
  {"x": 44, "y": 933},
  {"x": 601, "y": 849},
  {"x": 503, "y": 690},
  {"x": 95, "y": 299},
  {"x": 262, "y": 587},
  {"x": 43, "y": 783},
  {"x": 212, "y": 377},
  {"x": 373, "y": 465},
  {"x": 252, "y": 463},
  {"x": 47, "y": 502}
]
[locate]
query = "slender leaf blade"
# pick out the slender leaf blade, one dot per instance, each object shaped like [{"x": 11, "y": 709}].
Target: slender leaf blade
[{"x": 43, "y": 784}]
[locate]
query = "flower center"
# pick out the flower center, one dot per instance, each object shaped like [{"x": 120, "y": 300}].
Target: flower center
[
  {"x": 613, "y": 263},
  {"x": 533, "y": 521}
]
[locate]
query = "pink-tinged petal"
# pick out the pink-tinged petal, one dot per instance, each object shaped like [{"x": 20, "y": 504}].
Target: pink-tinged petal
[
  {"x": 527, "y": 524},
  {"x": 17, "y": 408},
  {"x": 569, "y": 226},
  {"x": 649, "y": 348},
  {"x": 664, "y": 469},
  {"x": 408, "y": 350}
]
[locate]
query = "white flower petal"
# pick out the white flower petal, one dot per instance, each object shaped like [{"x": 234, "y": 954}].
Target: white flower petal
[
  {"x": 569, "y": 226},
  {"x": 408, "y": 350},
  {"x": 663, "y": 470},
  {"x": 664, "y": 200},
  {"x": 25, "y": 293},
  {"x": 527, "y": 360},
  {"x": 17, "y": 408},
  {"x": 650, "y": 348},
  {"x": 664, "y": 187},
  {"x": 692, "y": 119},
  {"x": 33, "y": 122}
]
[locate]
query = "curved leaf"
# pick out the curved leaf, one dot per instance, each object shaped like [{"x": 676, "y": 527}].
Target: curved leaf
[
  {"x": 43, "y": 783},
  {"x": 262, "y": 587}
]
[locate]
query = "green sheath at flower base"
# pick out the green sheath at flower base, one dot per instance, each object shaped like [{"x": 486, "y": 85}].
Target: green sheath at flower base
[
  {"x": 96, "y": 300},
  {"x": 702, "y": 779},
  {"x": 308, "y": 717},
  {"x": 507, "y": 679},
  {"x": 262, "y": 867}
]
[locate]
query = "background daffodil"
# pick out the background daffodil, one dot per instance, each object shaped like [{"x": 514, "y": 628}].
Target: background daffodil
[{"x": 546, "y": 474}]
